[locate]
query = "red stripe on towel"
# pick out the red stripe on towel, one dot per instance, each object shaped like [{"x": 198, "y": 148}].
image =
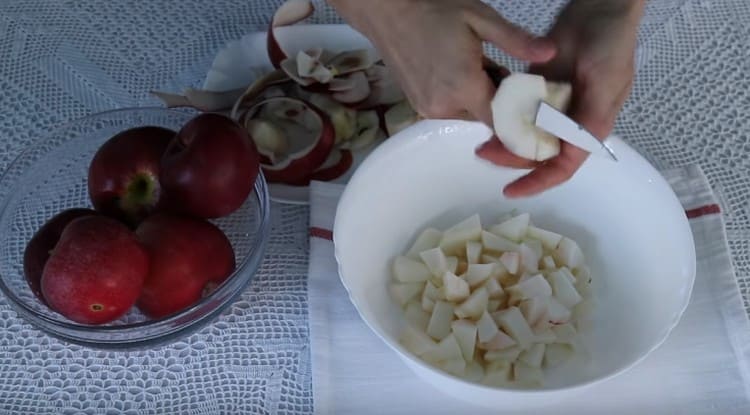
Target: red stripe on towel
[
  {"x": 703, "y": 211},
  {"x": 321, "y": 233}
]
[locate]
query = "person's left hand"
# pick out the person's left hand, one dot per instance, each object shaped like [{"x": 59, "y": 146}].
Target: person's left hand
[{"x": 596, "y": 43}]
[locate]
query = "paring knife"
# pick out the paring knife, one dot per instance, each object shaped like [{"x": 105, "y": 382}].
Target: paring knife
[{"x": 560, "y": 125}]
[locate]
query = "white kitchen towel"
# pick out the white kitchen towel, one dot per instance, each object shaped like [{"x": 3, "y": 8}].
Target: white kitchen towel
[{"x": 703, "y": 368}]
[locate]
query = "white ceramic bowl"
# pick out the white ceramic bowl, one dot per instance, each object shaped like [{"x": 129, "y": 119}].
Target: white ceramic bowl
[{"x": 626, "y": 218}]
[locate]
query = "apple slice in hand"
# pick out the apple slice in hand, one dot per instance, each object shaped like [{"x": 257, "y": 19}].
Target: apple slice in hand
[{"x": 514, "y": 110}]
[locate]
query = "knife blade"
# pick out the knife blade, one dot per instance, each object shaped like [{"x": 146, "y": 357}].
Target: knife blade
[{"x": 549, "y": 119}]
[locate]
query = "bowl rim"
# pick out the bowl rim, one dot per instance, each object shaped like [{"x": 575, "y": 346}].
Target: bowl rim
[
  {"x": 449, "y": 126},
  {"x": 229, "y": 289}
]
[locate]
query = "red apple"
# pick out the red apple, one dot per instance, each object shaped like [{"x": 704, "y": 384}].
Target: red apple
[
  {"x": 210, "y": 167},
  {"x": 96, "y": 270},
  {"x": 40, "y": 246},
  {"x": 124, "y": 173},
  {"x": 189, "y": 258}
]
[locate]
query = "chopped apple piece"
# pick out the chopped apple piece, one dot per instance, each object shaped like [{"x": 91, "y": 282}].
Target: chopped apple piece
[
  {"x": 534, "y": 286},
  {"x": 573, "y": 279},
  {"x": 416, "y": 316},
  {"x": 489, "y": 259},
  {"x": 563, "y": 289},
  {"x": 416, "y": 341},
  {"x": 583, "y": 314},
  {"x": 556, "y": 312},
  {"x": 514, "y": 229},
  {"x": 497, "y": 243},
  {"x": 462, "y": 267},
  {"x": 473, "y": 252},
  {"x": 529, "y": 257},
  {"x": 474, "y": 371},
  {"x": 509, "y": 354},
  {"x": 465, "y": 332},
  {"x": 499, "y": 342},
  {"x": 431, "y": 292},
  {"x": 564, "y": 332},
  {"x": 533, "y": 356},
  {"x": 545, "y": 336},
  {"x": 486, "y": 328},
  {"x": 439, "y": 325},
  {"x": 498, "y": 373},
  {"x": 452, "y": 263},
  {"x": 569, "y": 253},
  {"x": 455, "y": 238},
  {"x": 533, "y": 310},
  {"x": 456, "y": 289},
  {"x": 556, "y": 354},
  {"x": 549, "y": 263},
  {"x": 512, "y": 322},
  {"x": 435, "y": 260},
  {"x": 493, "y": 305},
  {"x": 447, "y": 349},
  {"x": 408, "y": 270},
  {"x": 403, "y": 292},
  {"x": 494, "y": 289},
  {"x": 428, "y": 304},
  {"x": 455, "y": 367},
  {"x": 477, "y": 274},
  {"x": 475, "y": 305},
  {"x": 550, "y": 240},
  {"x": 511, "y": 261},
  {"x": 527, "y": 375},
  {"x": 428, "y": 239}
]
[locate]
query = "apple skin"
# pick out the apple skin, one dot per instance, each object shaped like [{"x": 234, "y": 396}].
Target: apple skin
[
  {"x": 210, "y": 167},
  {"x": 96, "y": 270},
  {"x": 40, "y": 246},
  {"x": 123, "y": 178},
  {"x": 189, "y": 257}
]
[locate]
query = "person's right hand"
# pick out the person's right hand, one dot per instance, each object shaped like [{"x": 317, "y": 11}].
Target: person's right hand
[{"x": 434, "y": 48}]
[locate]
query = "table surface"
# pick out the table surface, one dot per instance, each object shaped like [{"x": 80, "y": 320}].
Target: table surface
[{"x": 65, "y": 59}]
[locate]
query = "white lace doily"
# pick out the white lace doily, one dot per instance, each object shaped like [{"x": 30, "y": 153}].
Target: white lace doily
[{"x": 65, "y": 59}]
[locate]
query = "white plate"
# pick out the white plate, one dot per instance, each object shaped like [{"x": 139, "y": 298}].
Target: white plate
[
  {"x": 241, "y": 61},
  {"x": 624, "y": 215}
]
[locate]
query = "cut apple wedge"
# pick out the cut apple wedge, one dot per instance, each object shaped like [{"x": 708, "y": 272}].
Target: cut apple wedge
[
  {"x": 508, "y": 354},
  {"x": 452, "y": 263},
  {"x": 499, "y": 342},
  {"x": 512, "y": 322},
  {"x": 477, "y": 274},
  {"x": 514, "y": 228},
  {"x": 408, "y": 270},
  {"x": 473, "y": 252},
  {"x": 570, "y": 253},
  {"x": 405, "y": 292},
  {"x": 435, "y": 260},
  {"x": 475, "y": 305},
  {"x": 563, "y": 289},
  {"x": 495, "y": 243},
  {"x": 427, "y": 239},
  {"x": 534, "y": 286},
  {"x": 474, "y": 372},
  {"x": 511, "y": 261},
  {"x": 526, "y": 375},
  {"x": 439, "y": 325},
  {"x": 416, "y": 316},
  {"x": 455, "y": 288},
  {"x": 533, "y": 310},
  {"x": 465, "y": 332},
  {"x": 555, "y": 354},
  {"x": 514, "y": 108},
  {"x": 486, "y": 328},
  {"x": 416, "y": 341},
  {"x": 549, "y": 239},
  {"x": 533, "y": 356},
  {"x": 455, "y": 238},
  {"x": 494, "y": 289},
  {"x": 446, "y": 349}
]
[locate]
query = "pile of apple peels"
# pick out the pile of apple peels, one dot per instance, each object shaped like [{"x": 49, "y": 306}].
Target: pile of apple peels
[
  {"x": 309, "y": 114},
  {"x": 148, "y": 242},
  {"x": 494, "y": 306}
]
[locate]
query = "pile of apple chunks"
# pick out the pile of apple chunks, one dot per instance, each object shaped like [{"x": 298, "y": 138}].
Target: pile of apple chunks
[{"x": 495, "y": 306}]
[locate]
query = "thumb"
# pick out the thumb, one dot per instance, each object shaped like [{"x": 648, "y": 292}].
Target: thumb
[{"x": 513, "y": 40}]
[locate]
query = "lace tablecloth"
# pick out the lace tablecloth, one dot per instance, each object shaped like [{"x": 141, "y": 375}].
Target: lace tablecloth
[{"x": 65, "y": 59}]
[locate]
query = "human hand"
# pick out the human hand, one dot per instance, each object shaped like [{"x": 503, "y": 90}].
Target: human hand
[
  {"x": 434, "y": 49},
  {"x": 595, "y": 43}
]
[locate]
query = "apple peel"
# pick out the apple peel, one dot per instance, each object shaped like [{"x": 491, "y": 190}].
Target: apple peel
[{"x": 289, "y": 13}]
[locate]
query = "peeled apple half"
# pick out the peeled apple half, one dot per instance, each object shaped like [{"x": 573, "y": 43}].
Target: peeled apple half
[{"x": 514, "y": 109}]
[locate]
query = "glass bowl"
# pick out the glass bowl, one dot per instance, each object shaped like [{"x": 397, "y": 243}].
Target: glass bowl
[{"x": 52, "y": 176}]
